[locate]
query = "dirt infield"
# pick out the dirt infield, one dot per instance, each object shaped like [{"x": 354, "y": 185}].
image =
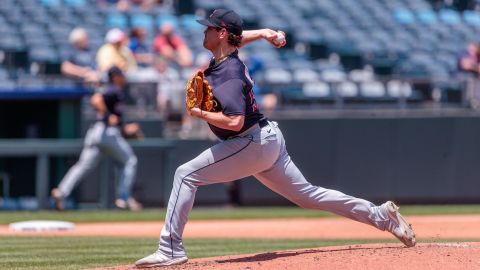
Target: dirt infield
[
  {"x": 459, "y": 256},
  {"x": 378, "y": 256}
]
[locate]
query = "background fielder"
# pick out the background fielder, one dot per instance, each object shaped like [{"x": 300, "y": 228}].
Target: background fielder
[{"x": 105, "y": 137}]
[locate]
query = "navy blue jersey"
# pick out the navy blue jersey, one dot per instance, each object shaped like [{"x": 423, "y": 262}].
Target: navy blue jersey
[
  {"x": 113, "y": 98},
  {"x": 233, "y": 91}
]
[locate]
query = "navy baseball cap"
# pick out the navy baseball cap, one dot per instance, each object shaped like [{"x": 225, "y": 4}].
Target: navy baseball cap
[
  {"x": 115, "y": 71},
  {"x": 223, "y": 18}
]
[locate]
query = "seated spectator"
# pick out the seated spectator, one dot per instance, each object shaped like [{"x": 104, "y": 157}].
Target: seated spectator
[
  {"x": 124, "y": 5},
  {"x": 139, "y": 49},
  {"x": 115, "y": 53},
  {"x": 469, "y": 59},
  {"x": 170, "y": 90},
  {"x": 172, "y": 47},
  {"x": 80, "y": 63}
]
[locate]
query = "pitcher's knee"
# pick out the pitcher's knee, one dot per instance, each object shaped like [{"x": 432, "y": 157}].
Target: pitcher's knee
[{"x": 183, "y": 173}]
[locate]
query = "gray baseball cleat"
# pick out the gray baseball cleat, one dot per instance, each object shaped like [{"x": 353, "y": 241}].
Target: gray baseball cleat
[
  {"x": 399, "y": 227},
  {"x": 158, "y": 259}
]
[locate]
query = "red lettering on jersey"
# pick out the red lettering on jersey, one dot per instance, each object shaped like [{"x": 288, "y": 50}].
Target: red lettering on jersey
[{"x": 254, "y": 102}]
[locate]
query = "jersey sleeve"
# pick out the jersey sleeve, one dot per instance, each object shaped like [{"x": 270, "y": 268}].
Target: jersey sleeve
[{"x": 231, "y": 97}]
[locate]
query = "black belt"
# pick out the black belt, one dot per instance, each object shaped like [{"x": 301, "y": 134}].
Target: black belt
[{"x": 262, "y": 123}]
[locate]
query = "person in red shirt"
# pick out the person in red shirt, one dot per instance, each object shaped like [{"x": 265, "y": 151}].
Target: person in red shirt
[{"x": 172, "y": 47}]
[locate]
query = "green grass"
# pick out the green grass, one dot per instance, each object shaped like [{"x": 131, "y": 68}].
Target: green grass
[
  {"x": 89, "y": 252},
  {"x": 215, "y": 213}
]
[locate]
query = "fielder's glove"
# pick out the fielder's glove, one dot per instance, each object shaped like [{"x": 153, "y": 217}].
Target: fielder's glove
[{"x": 198, "y": 93}]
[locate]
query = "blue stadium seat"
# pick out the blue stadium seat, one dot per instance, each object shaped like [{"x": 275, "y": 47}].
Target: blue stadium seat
[
  {"x": 167, "y": 18},
  {"x": 141, "y": 20},
  {"x": 449, "y": 16},
  {"x": 50, "y": 3},
  {"x": 75, "y": 3},
  {"x": 427, "y": 16},
  {"x": 189, "y": 22},
  {"x": 117, "y": 20},
  {"x": 471, "y": 18},
  {"x": 404, "y": 16}
]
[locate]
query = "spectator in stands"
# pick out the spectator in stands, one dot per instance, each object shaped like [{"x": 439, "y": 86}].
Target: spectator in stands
[
  {"x": 115, "y": 53},
  {"x": 106, "y": 136},
  {"x": 80, "y": 64},
  {"x": 139, "y": 49},
  {"x": 171, "y": 46},
  {"x": 170, "y": 93},
  {"x": 469, "y": 59},
  {"x": 125, "y": 5}
]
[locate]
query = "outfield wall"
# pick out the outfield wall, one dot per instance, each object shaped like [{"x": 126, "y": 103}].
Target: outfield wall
[
  {"x": 408, "y": 159},
  {"x": 416, "y": 159}
]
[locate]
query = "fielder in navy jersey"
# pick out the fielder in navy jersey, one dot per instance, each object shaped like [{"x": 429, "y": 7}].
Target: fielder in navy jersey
[
  {"x": 105, "y": 137},
  {"x": 250, "y": 145}
]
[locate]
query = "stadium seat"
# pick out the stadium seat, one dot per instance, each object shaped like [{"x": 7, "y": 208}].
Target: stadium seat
[
  {"x": 347, "y": 89},
  {"x": 471, "y": 18},
  {"x": 333, "y": 76},
  {"x": 167, "y": 18},
  {"x": 404, "y": 16},
  {"x": 372, "y": 89},
  {"x": 117, "y": 20},
  {"x": 449, "y": 16},
  {"x": 75, "y": 3},
  {"x": 141, "y": 20},
  {"x": 305, "y": 75},
  {"x": 277, "y": 75},
  {"x": 397, "y": 89},
  {"x": 50, "y": 3},
  {"x": 361, "y": 75},
  {"x": 316, "y": 89},
  {"x": 427, "y": 16}
]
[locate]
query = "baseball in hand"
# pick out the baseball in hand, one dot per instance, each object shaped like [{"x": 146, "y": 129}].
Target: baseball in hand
[{"x": 279, "y": 39}]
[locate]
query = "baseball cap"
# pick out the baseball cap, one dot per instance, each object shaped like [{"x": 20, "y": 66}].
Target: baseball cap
[
  {"x": 223, "y": 18},
  {"x": 114, "y": 35},
  {"x": 114, "y": 71}
]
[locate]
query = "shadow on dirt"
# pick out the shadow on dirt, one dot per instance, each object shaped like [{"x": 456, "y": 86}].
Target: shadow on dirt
[{"x": 281, "y": 254}]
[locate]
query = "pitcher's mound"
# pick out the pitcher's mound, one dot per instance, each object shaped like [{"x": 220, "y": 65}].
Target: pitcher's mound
[{"x": 432, "y": 256}]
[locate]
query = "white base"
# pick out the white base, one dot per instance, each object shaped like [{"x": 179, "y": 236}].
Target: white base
[{"x": 41, "y": 225}]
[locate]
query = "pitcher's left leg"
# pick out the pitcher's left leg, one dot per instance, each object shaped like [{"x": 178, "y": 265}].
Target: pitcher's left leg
[{"x": 287, "y": 180}]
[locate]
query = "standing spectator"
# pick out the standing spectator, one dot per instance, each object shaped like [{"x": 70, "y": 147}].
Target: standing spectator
[
  {"x": 469, "y": 59},
  {"x": 105, "y": 137},
  {"x": 469, "y": 65},
  {"x": 139, "y": 49},
  {"x": 80, "y": 63},
  {"x": 115, "y": 53},
  {"x": 171, "y": 46}
]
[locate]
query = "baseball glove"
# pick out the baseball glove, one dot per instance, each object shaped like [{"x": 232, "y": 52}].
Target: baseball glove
[{"x": 199, "y": 94}]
